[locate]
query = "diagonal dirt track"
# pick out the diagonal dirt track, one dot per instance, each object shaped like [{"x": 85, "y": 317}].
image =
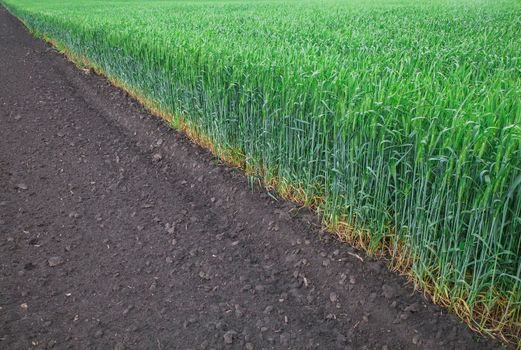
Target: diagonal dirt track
[{"x": 157, "y": 245}]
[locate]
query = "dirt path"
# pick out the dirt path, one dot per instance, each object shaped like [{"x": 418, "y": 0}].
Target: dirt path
[{"x": 155, "y": 245}]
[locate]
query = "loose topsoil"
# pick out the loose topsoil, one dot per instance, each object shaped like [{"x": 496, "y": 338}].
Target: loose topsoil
[{"x": 118, "y": 233}]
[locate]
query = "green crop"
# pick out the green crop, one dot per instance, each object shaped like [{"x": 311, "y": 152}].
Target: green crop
[{"x": 398, "y": 119}]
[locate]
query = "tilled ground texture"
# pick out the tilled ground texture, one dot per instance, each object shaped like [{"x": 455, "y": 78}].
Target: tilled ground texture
[{"x": 118, "y": 233}]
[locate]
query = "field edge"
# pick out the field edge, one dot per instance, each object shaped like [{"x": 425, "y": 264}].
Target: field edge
[{"x": 358, "y": 238}]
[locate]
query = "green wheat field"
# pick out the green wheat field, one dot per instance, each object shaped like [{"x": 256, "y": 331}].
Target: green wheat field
[{"x": 398, "y": 121}]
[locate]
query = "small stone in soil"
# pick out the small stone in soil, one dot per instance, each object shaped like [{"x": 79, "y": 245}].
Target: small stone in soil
[
  {"x": 22, "y": 186},
  {"x": 55, "y": 261},
  {"x": 157, "y": 157},
  {"x": 333, "y": 297},
  {"x": 229, "y": 336}
]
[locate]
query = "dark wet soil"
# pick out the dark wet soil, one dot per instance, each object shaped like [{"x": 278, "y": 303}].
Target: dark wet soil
[{"x": 118, "y": 233}]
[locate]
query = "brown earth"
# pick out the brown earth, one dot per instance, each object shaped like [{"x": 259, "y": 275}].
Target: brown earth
[{"x": 118, "y": 233}]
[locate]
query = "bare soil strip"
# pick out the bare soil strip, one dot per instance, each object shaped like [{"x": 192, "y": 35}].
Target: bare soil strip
[{"x": 118, "y": 233}]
